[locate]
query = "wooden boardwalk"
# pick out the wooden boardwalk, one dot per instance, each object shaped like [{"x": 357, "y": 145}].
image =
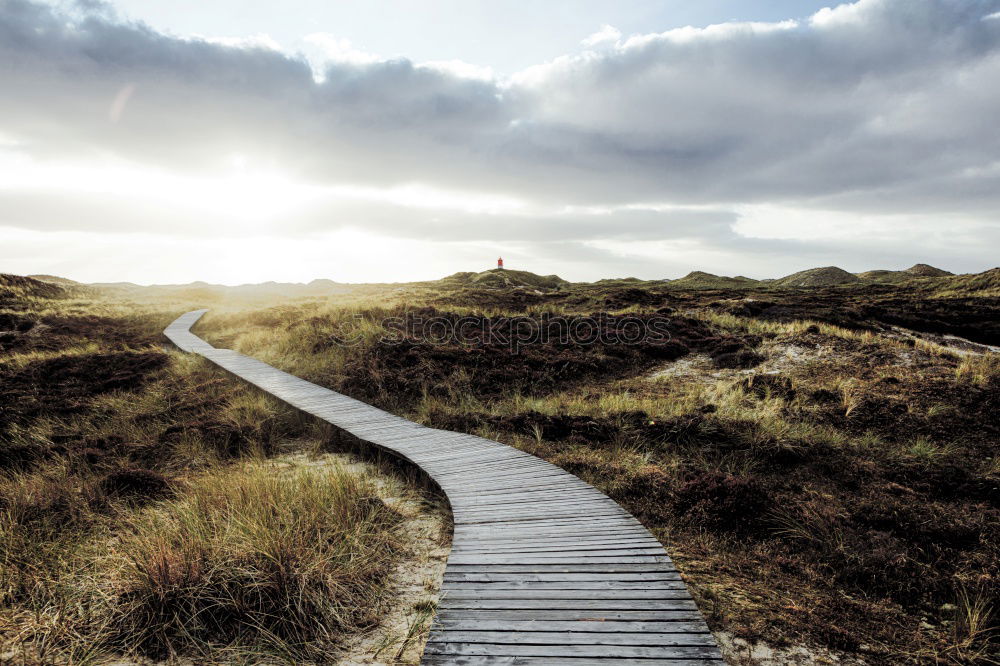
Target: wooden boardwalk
[{"x": 544, "y": 569}]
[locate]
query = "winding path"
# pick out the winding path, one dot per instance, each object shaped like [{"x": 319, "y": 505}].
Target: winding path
[{"x": 544, "y": 569}]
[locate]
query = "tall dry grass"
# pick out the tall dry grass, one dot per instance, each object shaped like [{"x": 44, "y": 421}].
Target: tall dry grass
[
  {"x": 254, "y": 560},
  {"x": 284, "y": 563}
]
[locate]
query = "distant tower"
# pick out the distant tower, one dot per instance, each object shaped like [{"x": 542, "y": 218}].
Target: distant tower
[{"x": 500, "y": 263}]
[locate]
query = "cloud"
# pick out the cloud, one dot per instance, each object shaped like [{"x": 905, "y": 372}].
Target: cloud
[
  {"x": 638, "y": 225},
  {"x": 332, "y": 49},
  {"x": 744, "y": 112},
  {"x": 881, "y": 107},
  {"x": 607, "y": 33}
]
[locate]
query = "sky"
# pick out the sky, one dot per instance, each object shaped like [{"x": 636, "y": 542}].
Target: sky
[{"x": 389, "y": 140}]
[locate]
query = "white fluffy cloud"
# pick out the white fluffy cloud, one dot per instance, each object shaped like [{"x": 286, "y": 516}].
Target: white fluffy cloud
[
  {"x": 878, "y": 110},
  {"x": 607, "y": 34}
]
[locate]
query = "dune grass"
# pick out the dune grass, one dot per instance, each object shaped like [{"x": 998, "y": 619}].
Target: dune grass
[
  {"x": 283, "y": 564},
  {"x": 246, "y": 560},
  {"x": 979, "y": 370}
]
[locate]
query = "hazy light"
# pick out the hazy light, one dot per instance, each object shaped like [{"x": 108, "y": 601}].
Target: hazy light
[
  {"x": 119, "y": 103},
  {"x": 790, "y": 223},
  {"x": 145, "y": 258},
  {"x": 244, "y": 194}
]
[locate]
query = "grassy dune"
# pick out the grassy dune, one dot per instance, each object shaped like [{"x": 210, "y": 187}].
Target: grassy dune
[
  {"x": 822, "y": 463},
  {"x": 821, "y": 478}
]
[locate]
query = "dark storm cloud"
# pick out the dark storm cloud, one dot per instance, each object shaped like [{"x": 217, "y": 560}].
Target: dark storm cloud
[{"x": 884, "y": 106}]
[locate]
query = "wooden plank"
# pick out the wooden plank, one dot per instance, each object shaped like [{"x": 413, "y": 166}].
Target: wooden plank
[
  {"x": 465, "y": 488},
  {"x": 492, "y": 660},
  {"x": 489, "y": 478},
  {"x": 617, "y": 651},
  {"x": 489, "y": 588},
  {"x": 600, "y": 604},
  {"x": 464, "y": 460},
  {"x": 566, "y": 499},
  {"x": 582, "y": 626},
  {"x": 558, "y": 542},
  {"x": 542, "y": 544},
  {"x": 582, "y": 550},
  {"x": 465, "y": 534},
  {"x": 556, "y": 558},
  {"x": 544, "y": 494},
  {"x": 650, "y": 567},
  {"x": 644, "y": 638},
  {"x": 620, "y": 518},
  {"x": 477, "y": 593},
  {"x": 534, "y": 510},
  {"x": 471, "y": 459},
  {"x": 497, "y": 533},
  {"x": 533, "y": 513},
  {"x": 570, "y": 615},
  {"x": 533, "y": 503},
  {"x": 527, "y": 578},
  {"x": 488, "y": 475},
  {"x": 486, "y": 543}
]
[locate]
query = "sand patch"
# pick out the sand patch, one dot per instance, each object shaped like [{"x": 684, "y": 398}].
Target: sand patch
[{"x": 741, "y": 653}]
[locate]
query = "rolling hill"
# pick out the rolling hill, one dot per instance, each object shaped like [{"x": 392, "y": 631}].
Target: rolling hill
[
  {"x": 702, "y": 280},
  {"x": 817, "y": 277},
  {"x": 499, "y": 278}
]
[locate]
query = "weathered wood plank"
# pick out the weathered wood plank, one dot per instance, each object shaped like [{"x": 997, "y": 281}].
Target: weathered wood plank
[
  {"x": 521, "y": 577},
  {"x": 552, "y": 551},
  {"x": 581, "y": 626},
  {"x": 571, "y": 615},
  {"x": 617, "y": 651},
  {"x": 583, "y": 543},
  {"x": 562, "y": 531},
  {"x": 649, "y": 567},
  {"x": 600, "y": 604},
  {"x": 483, "y": 660},
  {"x": 643, "y": 638},
  {"x": 533, "y": 592},
  {"x": 556, "y": 558},
  {"x": 486, "y": 587}
]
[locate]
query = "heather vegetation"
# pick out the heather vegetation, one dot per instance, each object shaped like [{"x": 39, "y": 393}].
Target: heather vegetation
[{"x": 820, "y": 460}]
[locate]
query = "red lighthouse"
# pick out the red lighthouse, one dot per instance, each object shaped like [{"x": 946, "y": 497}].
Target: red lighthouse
[{"x": 500, "y": 263}]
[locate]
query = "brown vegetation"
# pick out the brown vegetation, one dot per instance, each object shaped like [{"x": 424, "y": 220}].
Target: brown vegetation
[
  {"x": 832, "y": 481},
  {"x": 822, "y": 463}
]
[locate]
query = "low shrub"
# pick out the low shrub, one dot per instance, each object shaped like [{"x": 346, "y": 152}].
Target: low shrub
[{"x": 722, "y": 502}]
